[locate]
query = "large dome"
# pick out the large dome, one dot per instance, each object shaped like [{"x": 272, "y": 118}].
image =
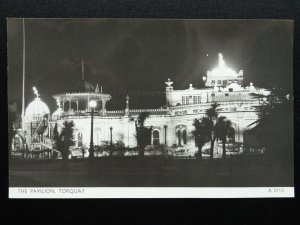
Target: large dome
[
  {"x": 37, "y": 108},
  {"x": 222, "y": 70}
]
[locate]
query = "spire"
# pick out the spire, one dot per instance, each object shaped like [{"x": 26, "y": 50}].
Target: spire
[
  {"x": 82, "y": 70},
  {"x": 127, "y": 105},
  {"x": 127, "y": 101},
  {"x": 97, "y": 89}
]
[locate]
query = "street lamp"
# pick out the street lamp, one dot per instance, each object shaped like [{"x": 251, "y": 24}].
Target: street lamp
[
  {"x": 92, "y": 104},
  {"x": 111, "y": 135}
]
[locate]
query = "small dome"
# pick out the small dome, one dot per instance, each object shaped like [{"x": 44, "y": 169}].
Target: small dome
[
  {"x": 235, "y": 87},
  {"x": 36, "y": 108}
]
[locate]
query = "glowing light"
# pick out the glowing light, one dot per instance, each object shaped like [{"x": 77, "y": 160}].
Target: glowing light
[
  {"x": 93, "y": 103},
  {"x": 221, "y": 60},
  {"x": 222, "y": 69},
  {"x": 204, "y": 78},
  {"x": 35, "y": 91}
]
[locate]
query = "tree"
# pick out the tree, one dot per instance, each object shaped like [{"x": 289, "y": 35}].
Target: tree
[
  {"x": 274, "y": 127},
  {"x": 212, "y": 116},
  {"x": 201, "y": 133},
  {"x": 65, "y": 139},
  {"x": 143, "y": 134},
  {"x": 222, "y": 131}
]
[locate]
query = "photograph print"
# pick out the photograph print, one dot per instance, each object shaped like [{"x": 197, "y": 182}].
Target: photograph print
[{"x": 150, "y": 103}]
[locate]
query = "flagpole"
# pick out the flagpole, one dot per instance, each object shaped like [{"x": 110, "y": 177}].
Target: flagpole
[{"x": 23, "y": 83}]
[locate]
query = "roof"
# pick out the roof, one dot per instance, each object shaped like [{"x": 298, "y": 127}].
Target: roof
[{"x": 36, "y": 107}]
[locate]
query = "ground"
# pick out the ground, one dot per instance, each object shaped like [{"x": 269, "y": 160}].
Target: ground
[{"x": 255, "y": 171}]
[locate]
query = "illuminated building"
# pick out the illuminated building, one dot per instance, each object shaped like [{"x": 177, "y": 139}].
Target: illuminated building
[{"x": 172, "y": 125}]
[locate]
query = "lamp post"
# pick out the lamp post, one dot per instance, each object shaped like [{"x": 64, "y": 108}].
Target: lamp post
[
  {"x": 92, "y": 104},
  {"x": 165, "y": 126},
  {"x": 111, "y": 135}
]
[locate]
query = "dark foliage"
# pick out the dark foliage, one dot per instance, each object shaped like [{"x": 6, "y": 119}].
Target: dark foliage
[
  {"x": 274, "y": 127},
  {"x": 65, "y": 139}
]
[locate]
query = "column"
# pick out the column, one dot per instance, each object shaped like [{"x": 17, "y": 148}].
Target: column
[
  {"x": 103, "y": 107},
  {"x": 77, "y": 102},
  {"x": 88, "y": 106}
]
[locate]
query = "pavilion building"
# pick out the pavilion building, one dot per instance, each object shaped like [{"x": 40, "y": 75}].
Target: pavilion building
[{"x": 172, "y": 125}]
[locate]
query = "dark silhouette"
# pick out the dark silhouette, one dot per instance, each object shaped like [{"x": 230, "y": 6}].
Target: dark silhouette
[
  {"x": 143, "y": 134},
  {"x": 274, "y": 127},
  {"x": 65, "y": 139},
  {"x": 212, "y": 116},
  {"x": 201, "y": 133},
  {"x": 222, "y": 131}
]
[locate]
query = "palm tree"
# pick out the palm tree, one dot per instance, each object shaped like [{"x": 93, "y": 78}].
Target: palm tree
[
  {"x": 201, "y": 133},
  {"x": 212, "y": 116},
  {"x": 65, "y": 139},
  {"x": 222, "y": 131},
  {"x": 142, "y": 133},
  {"x": 274, "y": 127}
]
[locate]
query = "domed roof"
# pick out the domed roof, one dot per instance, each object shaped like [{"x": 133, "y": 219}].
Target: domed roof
[
  {"x": 222, "y": 70},
  {"x": 36, "y": 107},
  {"x": 235, "y": 87}
]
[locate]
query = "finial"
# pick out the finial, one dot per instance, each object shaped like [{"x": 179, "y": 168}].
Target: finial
[
  {"x": 35, "y": 91},
  {"x": 82, "y": 70},
  {"x": 169, "y": 82},
  {"x": 97, "y": 89}
]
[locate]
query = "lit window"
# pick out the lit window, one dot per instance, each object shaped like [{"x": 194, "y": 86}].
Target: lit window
[
  {"x": 187, "y": 100},
  {"x": 195, "y": 100},
  {"x": 183, "y": 100}
]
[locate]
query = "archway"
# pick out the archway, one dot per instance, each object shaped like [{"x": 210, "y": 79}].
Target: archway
[{"x": 156, "y": 137}]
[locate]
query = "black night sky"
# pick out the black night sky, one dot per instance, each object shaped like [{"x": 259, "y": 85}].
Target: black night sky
[{"x": 137, "y": 56}]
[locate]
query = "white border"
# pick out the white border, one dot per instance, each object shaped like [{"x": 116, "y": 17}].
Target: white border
[{"x": 130, "y": 192}]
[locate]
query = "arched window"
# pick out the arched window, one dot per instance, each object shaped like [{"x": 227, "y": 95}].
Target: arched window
[
  {"x": 231, "y": 135},
  {"x": 184, "y": 137},
  {"x": 66, "y": 106},
  {"x": 79, "y": 139},
  {"x": 74, "y": 106},
  {"x": 156, "y": 137},
  {"x": 179, "y": 137}
]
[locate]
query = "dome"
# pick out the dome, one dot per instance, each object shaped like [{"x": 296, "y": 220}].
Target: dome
[
  {"x": 222, "y": 70},
  {"x": 36, "y": 108},
  {"x": 234, "y": 87}
]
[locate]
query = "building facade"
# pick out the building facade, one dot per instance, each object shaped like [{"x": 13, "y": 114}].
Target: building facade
[{"x": 171, "y": 125}]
